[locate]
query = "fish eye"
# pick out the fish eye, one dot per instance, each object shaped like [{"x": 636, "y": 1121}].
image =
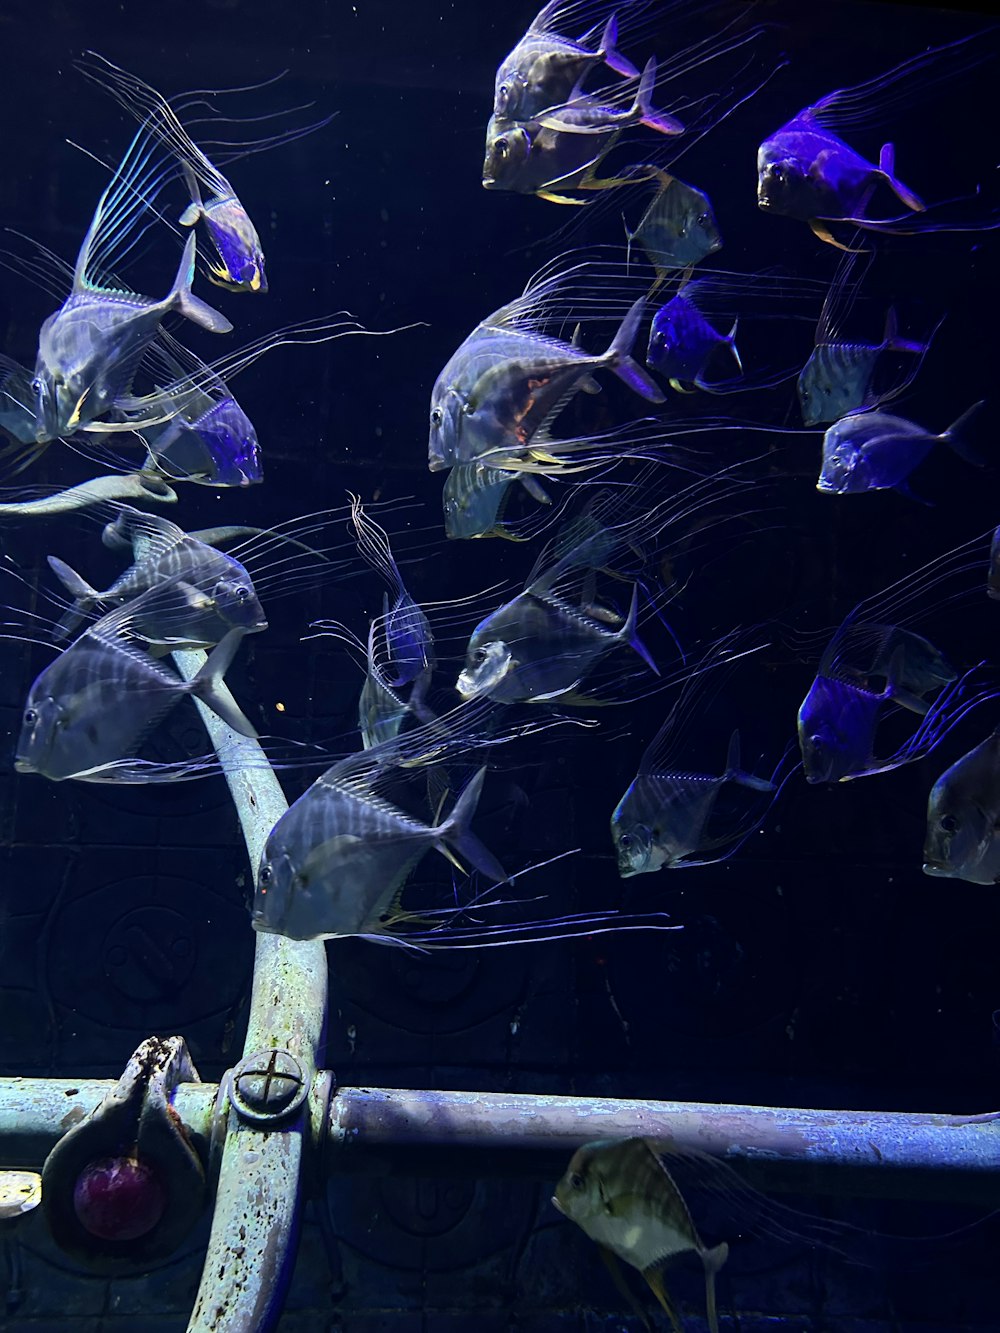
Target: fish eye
[
  {"x": 502, "y": 147},
  {"x": 242, "y": 592},
  {"x": 437, "y": 416},
  {"x": 577, "y": 1181},
  {"x": 625, "y": 840},
  {"x": 703, "y": 219},
  {"x": 265, "y": 877},
  {"x": 479, "y": 656},
  {"x": 948, "y": 823},
  {"x": 816, "y": 740},
  {"x": 30, "y": 717}
]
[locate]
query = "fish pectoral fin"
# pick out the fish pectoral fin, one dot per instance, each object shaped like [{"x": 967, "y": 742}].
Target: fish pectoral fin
[{"x": 654, "y": 1278}]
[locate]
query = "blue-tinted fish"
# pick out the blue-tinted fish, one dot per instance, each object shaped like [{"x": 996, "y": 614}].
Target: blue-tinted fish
[
  {"x": 564, "y": 153},
  {"x": 545, "y": 68},
  {"x": 875, "y": 451},
  {"x": 669, "y": 817},
  {"x": 963, "y": 817},
  {"x": 504, "y": 386},
  {"x": 541, "y": 644},
  {"x": 682, "y": 343},
  {"x": 678, "y": 229},
  {"x": 336, "y": 861},
  {"x": 405, "y": 629},
  {"x": 474, "y": 499},
  {"x": 805, "y": 170},
  {"x": 837, "y": 378},
  {"x": 90, "y": 710},
  {"x": 214, "y": 592},
  {"x": 239, "y": 256}
]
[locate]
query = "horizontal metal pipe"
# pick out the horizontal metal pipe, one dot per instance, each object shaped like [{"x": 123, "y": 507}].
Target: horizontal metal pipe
[
  {"x": 373, "y": 1130},
  {"x": 885, "y": 1154}
]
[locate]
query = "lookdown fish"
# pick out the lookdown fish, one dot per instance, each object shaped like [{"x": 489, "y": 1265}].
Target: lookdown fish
[
  {"x": 405, "y": 629},
  {"x": 963, "y": 817},
  {"x": 475, "y": 496},
  {"x": 200, "y": 433},
  {"x": 214, "y": 593},
  {"x": 678, "y": 229},
  {"x": 336, "y": 861},
  {"x": 875, "y": 451},
  {"x": 872, "y": 663},
  {"x": 673, "y": 818},
  {"x": 805, "y": 170},
  {"x": 90, "y": 710},
  {"x": 563, "y": 149},
  {"x": 682, "y": 343},
  {"x": 499, "y": 393},
  {"x": 540, "y": 645},
  {"x": 545, "y": 68},
  {"x": 837, "y": 378},
  {"x": 622, "y": 1195},
  {"x": 239, "y": 255}
]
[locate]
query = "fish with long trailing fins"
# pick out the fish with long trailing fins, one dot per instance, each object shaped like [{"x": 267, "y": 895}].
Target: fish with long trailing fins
[
  {"x": 545, "y": 67},
  {"x": 963, "y": 817},
  {"x": 678, "y": 228},
  {"x": 876, "y": 451},
  {"x": 837, "y": 378},
  {"x": 218, "y": 591},
  {"x": 805, "y": 170},
  {"x": 683, "y": 343},
  {"x": 507, "y": 383},
  {"x": 89, "y": 712},
  {"x": 621, "y": 1194}
]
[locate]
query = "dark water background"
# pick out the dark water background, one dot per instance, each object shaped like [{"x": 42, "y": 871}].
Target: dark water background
[{"x": 818, "y": 968}]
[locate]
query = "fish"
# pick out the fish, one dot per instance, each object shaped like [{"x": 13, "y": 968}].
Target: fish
[
  {"x": 475, "y": 496},
  {"x": 806, "y": 171},
  {"x": 199, "y": 432},
  {"x": 218, "y": 592},
  {"x": 837, "y": 378},
  {"x": 506, "y": 384},
  {"x": 586, "y": 113},
  {"x": 403, "y": 626},
  {"x": 336, "y": 861},
  {"x": 963, "y": 817},
  {"x": 678, "y": 229},
  {"x": 545, "y": 68},
  {"x": 239, "y": 255},
  {"x": 547, "y": 159},
  {"x": 89, "y": 711},
  {"x": 539, "y": 646},
  {"x": 682, "y": 343},
  {"x": 622, "y": 1195},
  {"x": 876, "y": 451},
  {"x": 676, "y": 819}
]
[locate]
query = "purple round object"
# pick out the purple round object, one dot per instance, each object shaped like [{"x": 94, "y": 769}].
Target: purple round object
[{"x": 118, "y": 1198}]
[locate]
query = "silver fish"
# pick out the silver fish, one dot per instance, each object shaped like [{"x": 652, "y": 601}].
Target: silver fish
[
  {"x": 89, "y": 711},
  {"x": 876, "y": 451},
  {"x": 336, "y": 861},
  {"x": 404, "y": 628},
  {"x": 963, "y": 817},
  {"x": 837, "y": 378},
  {"x": 678, "y": 229},
  {"x": 622, "y": 1195}
]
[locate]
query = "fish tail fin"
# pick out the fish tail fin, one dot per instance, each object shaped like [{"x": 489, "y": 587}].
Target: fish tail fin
[
  {"x": 630, "y": 635},
  {"x": 713, "y": 1260},
  {"x": 731, "y": 344},
  {"x": 954, "y": 438},
  {"x": 455, "y": 831},
  {"x": 619, "y": 356},
  {"x": 734, "y": 770},
  {"x": 77, "y": 587},
  {"x": 613, "y": 58},
  {"x": 893, "y": 342},
  {"x": 887, "y": 169},
  {"x": 642, "y": 108},
  {"x": 183, "y": 299},
  {"x": 207, "y": 684}
]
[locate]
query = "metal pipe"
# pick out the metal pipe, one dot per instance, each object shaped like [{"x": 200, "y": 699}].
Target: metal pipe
[
  {"x": 376, "y": 1130},
  {"x": 884, "y": 1154},
  {"x": 254, "y": 1232}
]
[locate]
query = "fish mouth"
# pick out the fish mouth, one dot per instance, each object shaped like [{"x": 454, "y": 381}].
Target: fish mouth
[
  {"x": 489, "y": 182},
  {"x": 23, "y": 765},
  {"x": 935, "y": 868}
]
